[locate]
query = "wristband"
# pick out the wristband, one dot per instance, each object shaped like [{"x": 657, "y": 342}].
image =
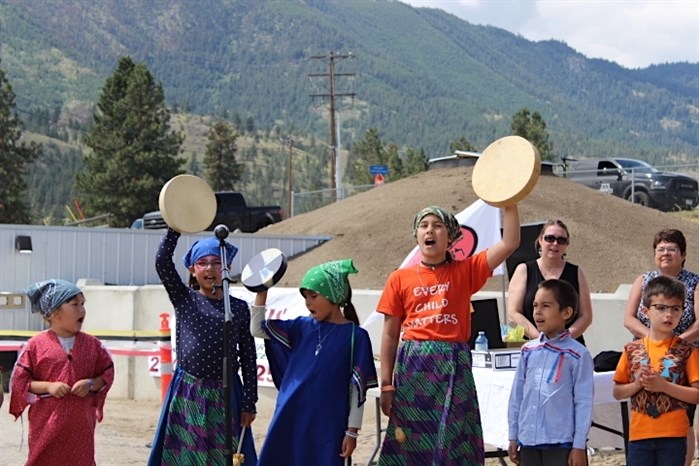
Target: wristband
[
  {"x": 350, "y": 434},
  {"x": 91, "y": 383},
  {"x": 388, "y": 388}
]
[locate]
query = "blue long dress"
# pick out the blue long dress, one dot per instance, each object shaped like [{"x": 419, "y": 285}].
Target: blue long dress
[{"x": 310, "y": 417}]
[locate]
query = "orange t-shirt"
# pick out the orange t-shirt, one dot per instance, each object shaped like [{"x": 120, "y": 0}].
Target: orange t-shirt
[
  {"x": 673, "y": 423},
  {"x": 435, "y": 304}
]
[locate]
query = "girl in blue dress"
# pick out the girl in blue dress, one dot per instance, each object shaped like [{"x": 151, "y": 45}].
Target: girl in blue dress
[{"x": 322, "y": 365}]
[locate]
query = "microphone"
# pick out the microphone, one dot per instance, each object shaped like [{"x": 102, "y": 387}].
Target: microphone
[{"x": 221, "y": 231}]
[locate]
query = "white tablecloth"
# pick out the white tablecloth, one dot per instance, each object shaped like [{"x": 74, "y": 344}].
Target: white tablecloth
[{"x": 494, "y": 387}]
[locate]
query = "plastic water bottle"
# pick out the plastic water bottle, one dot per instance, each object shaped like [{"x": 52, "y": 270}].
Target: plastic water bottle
[{"x": 481, "y": 342}]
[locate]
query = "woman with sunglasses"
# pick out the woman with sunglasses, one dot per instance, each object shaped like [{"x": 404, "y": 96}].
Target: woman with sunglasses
[
  {"x": 551, "y": 244},
  {"x": 670, "y": 252}
]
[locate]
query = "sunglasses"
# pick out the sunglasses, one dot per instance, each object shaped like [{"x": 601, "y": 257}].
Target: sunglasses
[{"x": 562, "y": 240}]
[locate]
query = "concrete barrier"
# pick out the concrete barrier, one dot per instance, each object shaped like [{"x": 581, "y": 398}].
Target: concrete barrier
[{"x": 138, "y": 308}]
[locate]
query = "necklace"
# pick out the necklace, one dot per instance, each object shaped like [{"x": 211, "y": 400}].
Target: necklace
[
  {"x": 319, "y": 346},
  {"x": 434, "y": 266},
  {"x": 646, "y": 344},
  {"x": 439, "y": 274}
]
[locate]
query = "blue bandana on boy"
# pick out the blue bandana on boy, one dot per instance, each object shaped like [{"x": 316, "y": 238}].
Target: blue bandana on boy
[{"x": 49, "y": 295}]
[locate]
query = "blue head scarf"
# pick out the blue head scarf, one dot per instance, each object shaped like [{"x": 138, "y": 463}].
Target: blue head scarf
[
  {"x": 49, "y": 295},
  {"x": 208, "y": 247}
]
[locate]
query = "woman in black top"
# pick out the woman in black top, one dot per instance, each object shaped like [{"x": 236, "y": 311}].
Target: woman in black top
[{"x": 552, "y": 244}]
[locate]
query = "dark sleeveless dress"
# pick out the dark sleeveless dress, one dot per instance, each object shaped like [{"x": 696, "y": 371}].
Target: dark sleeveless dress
[{"x": 534, "y": 277}]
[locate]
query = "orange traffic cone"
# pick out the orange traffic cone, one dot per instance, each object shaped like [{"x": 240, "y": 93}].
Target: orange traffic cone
[{"x": 165, "y": 355}]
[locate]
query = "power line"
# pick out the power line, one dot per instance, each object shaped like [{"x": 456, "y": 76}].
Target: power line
[{"x": 331, "y": 95}]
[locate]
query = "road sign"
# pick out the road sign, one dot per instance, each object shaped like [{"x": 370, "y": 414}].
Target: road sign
[{"x": 378, "y": 169}]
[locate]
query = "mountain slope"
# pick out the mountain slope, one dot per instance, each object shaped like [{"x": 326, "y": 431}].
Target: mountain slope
[{"x": 423, "y": 77}]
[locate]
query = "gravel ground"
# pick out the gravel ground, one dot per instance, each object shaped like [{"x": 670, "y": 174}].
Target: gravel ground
[{"x": 129, "y": 425}]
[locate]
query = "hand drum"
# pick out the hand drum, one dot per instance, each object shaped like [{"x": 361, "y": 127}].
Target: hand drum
[
  {"x": 264, "y": 270},
  {"x": 187, "y": 204},
  {"x": 507, "y": 171}
]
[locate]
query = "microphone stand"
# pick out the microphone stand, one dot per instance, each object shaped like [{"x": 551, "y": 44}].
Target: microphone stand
[{"x": 221, "y": 232}]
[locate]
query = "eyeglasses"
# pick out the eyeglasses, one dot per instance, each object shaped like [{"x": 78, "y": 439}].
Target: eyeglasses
[
  {"x": 662, "y": 308},
  {"x": 669, "y": 250},
  {"x": 216, "y": 265},
  {"x": 562, "y": 240}
]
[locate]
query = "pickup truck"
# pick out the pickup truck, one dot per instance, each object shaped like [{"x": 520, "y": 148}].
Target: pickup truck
[
  {"x": 232, "y": 211},
  {"x": 638, "y": 182}
]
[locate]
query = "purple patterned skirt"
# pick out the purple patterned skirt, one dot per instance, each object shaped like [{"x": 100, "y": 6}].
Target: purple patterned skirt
[{"x": 436, "y": 406}]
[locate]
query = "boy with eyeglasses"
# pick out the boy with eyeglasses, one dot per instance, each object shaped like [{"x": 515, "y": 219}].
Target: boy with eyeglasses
[
  {"x": 669, "y": 255},
  {"x": 660, "y": 373}
]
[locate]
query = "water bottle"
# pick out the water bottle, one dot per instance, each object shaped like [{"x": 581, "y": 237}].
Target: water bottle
[{"x": 481, "y": 342}]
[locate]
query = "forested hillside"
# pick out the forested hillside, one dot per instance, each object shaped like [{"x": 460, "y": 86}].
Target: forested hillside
[
  {"x": 421, "y": 76},
  {"x": 418, "y": 79}
]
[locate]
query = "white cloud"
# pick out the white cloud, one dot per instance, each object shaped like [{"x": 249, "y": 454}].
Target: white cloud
[{"x": 633, "y": 33}]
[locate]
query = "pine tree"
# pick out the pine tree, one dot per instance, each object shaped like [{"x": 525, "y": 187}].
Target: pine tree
[
  {"x": 134, "y": 152},
  {"x": 531, "y": 126},
  {"x": 221, "y": 168},
  {"x": 462, "y": 144},
  {"x": 396, "y": 169},
  {"x": 193, "y": 165},
  {"x": 415, "y": 161},
  {"x": 368, "y": 151},
  {"x": 15, "y": 159}
]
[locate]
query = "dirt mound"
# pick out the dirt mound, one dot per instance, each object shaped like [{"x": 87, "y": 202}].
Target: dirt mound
[{"x": 611, "y": 239}]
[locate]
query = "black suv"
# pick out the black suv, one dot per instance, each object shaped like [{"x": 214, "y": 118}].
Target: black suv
[{"x": 637, "y": 181}]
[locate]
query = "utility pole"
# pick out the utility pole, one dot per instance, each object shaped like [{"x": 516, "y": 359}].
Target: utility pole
[
  {"x": 332, "y": 95},
  {"x": 290, "y": 142}
]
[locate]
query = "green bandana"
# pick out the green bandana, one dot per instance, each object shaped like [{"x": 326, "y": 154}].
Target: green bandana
[
  {"x": 453, "y": 227},
  {"x": 330, "y": 280}
]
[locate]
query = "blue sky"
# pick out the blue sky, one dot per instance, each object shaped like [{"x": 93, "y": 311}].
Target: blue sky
[{"x": 632, "y": 33}]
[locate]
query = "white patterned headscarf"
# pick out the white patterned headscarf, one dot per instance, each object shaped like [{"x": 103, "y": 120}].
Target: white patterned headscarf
[
  {"x": 49, "y": 295},
  {"x": 451, "y": 223},
  {"x": 330, "y": 280}
]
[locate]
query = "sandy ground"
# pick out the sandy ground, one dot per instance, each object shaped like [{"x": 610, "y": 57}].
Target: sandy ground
[{"x": 129, "y": 425}]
